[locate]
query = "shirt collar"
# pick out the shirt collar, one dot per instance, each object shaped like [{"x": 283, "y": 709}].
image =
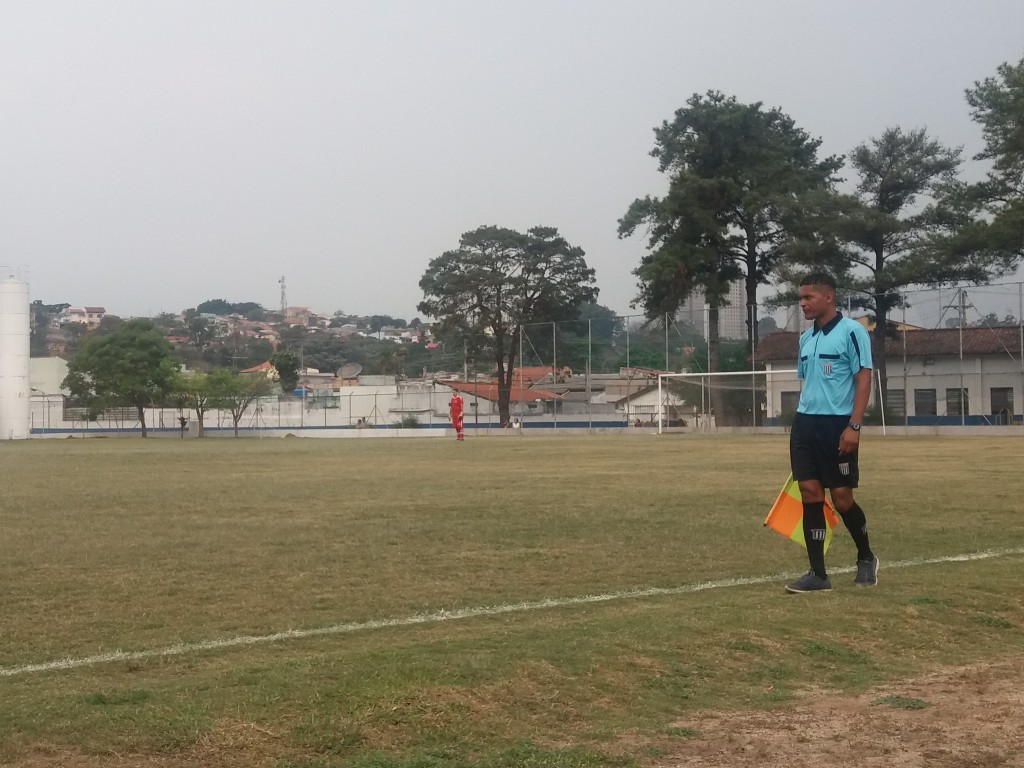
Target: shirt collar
[{"x": 829, "y": 325}]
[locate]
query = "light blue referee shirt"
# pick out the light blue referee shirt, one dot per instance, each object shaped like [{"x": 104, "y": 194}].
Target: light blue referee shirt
[{"x": 829, "y": 358}]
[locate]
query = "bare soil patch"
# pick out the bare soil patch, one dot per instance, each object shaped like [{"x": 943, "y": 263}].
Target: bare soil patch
[{"x": 965, "y": 717}]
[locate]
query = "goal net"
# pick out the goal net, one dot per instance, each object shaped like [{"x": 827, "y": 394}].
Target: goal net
[{"x": 711, "y": 402}]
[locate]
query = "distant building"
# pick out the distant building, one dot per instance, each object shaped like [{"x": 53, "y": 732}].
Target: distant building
[
  {"x": 87, "y": 316},
  {"x": 298, "y": 316},
  {"x": 732, "y": 318}
]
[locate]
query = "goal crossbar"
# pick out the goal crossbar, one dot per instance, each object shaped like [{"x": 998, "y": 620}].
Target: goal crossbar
[{"x": 766, "y": 375}]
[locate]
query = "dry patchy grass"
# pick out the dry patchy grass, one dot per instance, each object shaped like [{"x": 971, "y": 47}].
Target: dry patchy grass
[{"x": 112, "y": 544}]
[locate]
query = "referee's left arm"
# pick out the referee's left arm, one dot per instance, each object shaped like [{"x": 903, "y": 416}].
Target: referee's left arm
[
  {"x": 861, "y": 394},
  {"x": 850, "y": 438}
]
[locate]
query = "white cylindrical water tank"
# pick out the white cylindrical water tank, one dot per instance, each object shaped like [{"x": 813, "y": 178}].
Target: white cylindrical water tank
[{"x": 15, "y": 390}]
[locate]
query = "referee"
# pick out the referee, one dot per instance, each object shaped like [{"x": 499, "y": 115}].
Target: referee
[{"x": 835, "y": 366}]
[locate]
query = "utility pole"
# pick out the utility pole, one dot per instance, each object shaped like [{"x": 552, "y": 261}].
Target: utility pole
[
  {"x": 590, "y": 353},
  {"x": 554, "y": 375},
  {"x": 961, "y": 307}
]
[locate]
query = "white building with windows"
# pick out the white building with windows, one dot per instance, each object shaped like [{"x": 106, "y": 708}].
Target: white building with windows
[{"x": 937, "y": 376}]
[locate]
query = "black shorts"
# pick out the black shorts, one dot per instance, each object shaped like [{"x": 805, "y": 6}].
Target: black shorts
[{"x": 814, "y": 451}]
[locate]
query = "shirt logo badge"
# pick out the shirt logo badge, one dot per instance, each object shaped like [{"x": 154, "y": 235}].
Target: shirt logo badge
[{"x": 826, "y": 367}]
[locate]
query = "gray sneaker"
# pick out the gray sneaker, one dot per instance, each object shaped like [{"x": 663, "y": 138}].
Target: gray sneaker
[
  {"x": 867, "y": 572},
  {"x": 809, "y": 582}
]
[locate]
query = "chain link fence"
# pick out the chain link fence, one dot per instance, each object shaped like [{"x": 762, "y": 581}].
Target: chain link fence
[{"x": 952, "y": 356}]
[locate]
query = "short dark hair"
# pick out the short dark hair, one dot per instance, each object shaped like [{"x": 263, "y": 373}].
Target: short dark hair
[{"x": 819, "y": 278}]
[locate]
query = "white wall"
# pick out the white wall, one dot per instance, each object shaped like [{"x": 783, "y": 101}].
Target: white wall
[{"x": 15, "y": 389}]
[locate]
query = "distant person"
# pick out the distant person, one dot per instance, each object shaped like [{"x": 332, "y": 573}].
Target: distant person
[
  {"x": 835, "y": 367},
  {"x": 455, "y": 406}
]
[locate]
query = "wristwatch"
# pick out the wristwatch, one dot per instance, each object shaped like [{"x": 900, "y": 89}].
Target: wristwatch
[{"x": 854, "y": 425}]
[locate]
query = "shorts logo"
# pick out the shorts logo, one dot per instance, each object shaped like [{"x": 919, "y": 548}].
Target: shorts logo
[
  {"x": 826, "y": 367},
  {"x": 817, "y": 534},
  {"x": 844, "y": 468}
]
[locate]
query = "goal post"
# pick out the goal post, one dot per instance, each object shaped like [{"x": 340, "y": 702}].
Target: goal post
[{"x": 708, "y": 401}]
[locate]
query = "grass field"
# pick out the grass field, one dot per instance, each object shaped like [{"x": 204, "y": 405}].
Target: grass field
[{"x": 141, "y": 546}]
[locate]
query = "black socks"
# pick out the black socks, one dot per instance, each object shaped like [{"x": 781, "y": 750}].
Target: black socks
[
  {"x": 857, "y": 525},
  {"x": 814, "y": 535}
]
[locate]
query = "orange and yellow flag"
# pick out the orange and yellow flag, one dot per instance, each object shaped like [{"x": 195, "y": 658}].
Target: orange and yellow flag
[{"x": 787, "y": 514}]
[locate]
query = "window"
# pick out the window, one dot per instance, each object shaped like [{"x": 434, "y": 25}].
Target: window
[
  {"x": 895, "y": 403},
  {"x": 957, "y": 403},
  {"x": 1002, "y": 401},
  {"x": 790, "y": 400},
  {"x": 924, "y": 402}
]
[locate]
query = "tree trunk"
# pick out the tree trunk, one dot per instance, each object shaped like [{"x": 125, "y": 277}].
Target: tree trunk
[
  {"x": 751, "y": 309},
  {"x": 236, "y": 419},
  {"x": 751, "y": 288},
  {"x": 142, "y": 419},
  {"x": 505, "y": 375},
  {"x": 717, "y": 400}
]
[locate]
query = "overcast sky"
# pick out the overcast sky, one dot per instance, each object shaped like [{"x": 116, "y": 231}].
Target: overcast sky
[{"x": 154, "y": 155}]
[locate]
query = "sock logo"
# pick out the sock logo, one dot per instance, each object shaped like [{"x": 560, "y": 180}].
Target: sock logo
[{"x": 817, "y": 534}]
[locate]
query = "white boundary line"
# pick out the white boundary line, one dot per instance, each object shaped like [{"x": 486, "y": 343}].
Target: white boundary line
[{"x": 461, "y": 613}]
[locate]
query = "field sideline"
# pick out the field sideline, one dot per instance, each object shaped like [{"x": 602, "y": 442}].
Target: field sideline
[{"x": 136, "y": 547}]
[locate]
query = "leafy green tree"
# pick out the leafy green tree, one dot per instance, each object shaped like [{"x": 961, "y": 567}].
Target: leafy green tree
[
  {"x": 236, "y": 392},
  {"x": 287, "y": 366},
  {"x": 886, "y": 228},
  {"x": 340, "y": 318},
  {"x": 247, "y": 309},
  {"x": 990, "y": 320},
  {"x": 377, "y": 322},
  {"x": 325, "y": 353},
  {"x": 235, "y": 351},
  {"x": 497, "y": 280},
  {"x": 997, "y": 104},
  {"x": 592, "y": 334},
  {"x": 108, "y": 324},
  {"x": 215, "y": 307},
  {"x": 170, "y": 324},
  {"x": 737, "y": 174},
  {"x": 131, "y": 366},
  {"x": 292, "y": 334},
  {"x": 192, "y": 390},
  {"x": 75, "y": 334},
  {"x": 391, "y": 361},
  {"x": 328, "y": 353},
  {"x": 200, "y": 330},
  {"x": 41, "y": 317}
]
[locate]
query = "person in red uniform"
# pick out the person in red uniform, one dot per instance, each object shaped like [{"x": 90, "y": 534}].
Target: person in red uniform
[{"x": 455, "y": 413}]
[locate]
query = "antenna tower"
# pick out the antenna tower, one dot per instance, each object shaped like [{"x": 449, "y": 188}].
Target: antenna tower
[{"x": 284, "y": 300}]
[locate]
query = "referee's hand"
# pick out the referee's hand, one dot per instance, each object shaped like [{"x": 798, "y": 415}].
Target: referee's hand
[{"x": 849, "y": 440}]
